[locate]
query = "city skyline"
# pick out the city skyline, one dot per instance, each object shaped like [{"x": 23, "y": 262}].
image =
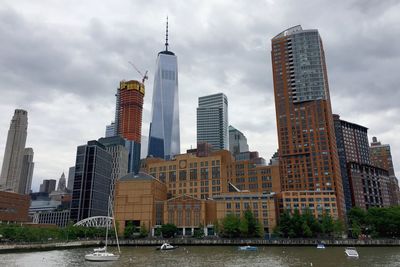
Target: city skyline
[{"x": 74, "y": 102}]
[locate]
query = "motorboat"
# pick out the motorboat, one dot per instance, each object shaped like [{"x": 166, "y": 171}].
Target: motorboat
[
  {"x": 101, "y": 256},
  {"x": 351, "y": 252},
  {"x": 248, "y": 248},
  {"x": 320, "y": 246},
  {"x": 167, "y": 246}
]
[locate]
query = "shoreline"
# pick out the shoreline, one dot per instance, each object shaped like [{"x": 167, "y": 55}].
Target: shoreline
[{"x": 23, "y": 247}]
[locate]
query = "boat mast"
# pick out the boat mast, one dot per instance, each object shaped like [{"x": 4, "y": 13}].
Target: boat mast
[{"x": 115, "y": 230}]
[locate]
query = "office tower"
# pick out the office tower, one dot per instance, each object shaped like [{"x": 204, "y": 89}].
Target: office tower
[
  {"x": 48, "y": 186},
  {"x": 128, "y": 119},
  {"x": 62, "y": 186},
  {"x": 110, "y": 130},
  {"x": 26, "y": 172},
  {"x": 382, "y": 157},
  {"x": 212, "y": 121},
  {"x": 237, "y": 141},
  {"x": 364, "y": 185},
  {"x": 164, "y": 140},
  {"x": 119, "y": 155},
  {"x": 90, "y": 195},
  {"x": 308, "y": 157},
  {"x": 144, "y": 147},
  {"x": 14, "y": 151},
  {"x": 71, "y": 176}
]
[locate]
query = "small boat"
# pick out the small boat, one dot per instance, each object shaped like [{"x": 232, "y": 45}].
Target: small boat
[
  {"x": 351, "y": 252},
  {"x": 320, "y": 246},
  {"x": 167, "y": 246},
  {"x": 101, "y": 256},
  {"x": 248, "y": 248}
]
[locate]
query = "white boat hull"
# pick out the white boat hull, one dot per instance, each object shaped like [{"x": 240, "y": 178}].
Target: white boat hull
[{"x": 97, "y": 257}]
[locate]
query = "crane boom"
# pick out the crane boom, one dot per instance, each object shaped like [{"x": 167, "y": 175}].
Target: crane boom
[{"x": 144, "y": 77}]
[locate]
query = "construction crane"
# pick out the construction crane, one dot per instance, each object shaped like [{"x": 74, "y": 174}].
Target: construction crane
[{"x": 144, "y": 77}]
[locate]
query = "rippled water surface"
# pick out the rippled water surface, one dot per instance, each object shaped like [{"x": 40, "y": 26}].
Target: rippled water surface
[{"x": 212, "y": 256}]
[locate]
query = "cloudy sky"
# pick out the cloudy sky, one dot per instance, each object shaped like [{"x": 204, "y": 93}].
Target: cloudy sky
[{"x": 63, "y": 60}]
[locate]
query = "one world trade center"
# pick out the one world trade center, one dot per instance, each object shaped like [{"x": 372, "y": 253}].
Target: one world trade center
[{"x": 164, "y": 139}]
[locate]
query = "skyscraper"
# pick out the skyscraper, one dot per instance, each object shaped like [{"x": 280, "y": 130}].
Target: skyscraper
[
  {"x": 237, "y": 141},
  {"x": 116, "y": 146},
  {"x": 27, "y": 172},
  {"x": 364, "y": 185},
  {"x": 164, "y": 139},
  {"x": 308, "y": 156},
  {"x": 62, "y": 183},
  {"x": 128, "y": 119},
  {"x": 90, "y": 195},
  {"x": 14, "y": 151},
  {"x": 48, "y": 186},
  {"x": 382, "y": 158},
  {"x": 212, "y": 121},
  {"x": 110, "y": 130},
  {"x": 71, "y": 176}
]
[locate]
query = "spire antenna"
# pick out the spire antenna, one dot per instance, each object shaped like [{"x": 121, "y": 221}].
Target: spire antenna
[{"x": 166, "y": 37}]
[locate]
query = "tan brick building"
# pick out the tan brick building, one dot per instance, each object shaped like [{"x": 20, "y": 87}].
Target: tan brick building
[
  {"x": 263, "y": 207},
  {"x": 318, "y": 202},
  {"x": 137, "y": 200}
]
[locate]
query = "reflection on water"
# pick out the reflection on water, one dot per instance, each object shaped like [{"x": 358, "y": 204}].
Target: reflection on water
[{"x": 213, "y": 256}]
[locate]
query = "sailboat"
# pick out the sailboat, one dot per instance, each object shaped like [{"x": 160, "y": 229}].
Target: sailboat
[{"x": 101, "y": 254}]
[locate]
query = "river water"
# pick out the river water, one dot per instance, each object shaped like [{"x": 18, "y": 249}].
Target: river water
[{"x": 212, "y": 256}]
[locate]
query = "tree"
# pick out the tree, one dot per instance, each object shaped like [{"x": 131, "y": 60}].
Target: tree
[
  {"x": 306, "y": 230},
  {"x": 143, "y": 231},
  {"x": 230, "y": 225},
  {"x": 168, "y": 230},
  {"x": 254, "y": 228},
  {"x": 327, "y": 225},
  {"x": 129, "y": 230}
]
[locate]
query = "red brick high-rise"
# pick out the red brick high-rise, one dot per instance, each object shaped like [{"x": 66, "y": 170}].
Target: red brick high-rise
[
  {"x": 308, "y": 155},
  {"x": 129, "y": 110},
  {"x": 128, "y": 119}
]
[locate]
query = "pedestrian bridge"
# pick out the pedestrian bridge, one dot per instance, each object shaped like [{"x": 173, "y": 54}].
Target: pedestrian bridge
[{"x": 96, "y": 221}]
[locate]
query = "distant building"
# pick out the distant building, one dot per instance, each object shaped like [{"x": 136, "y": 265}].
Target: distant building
[
  {"x": 212, "y": 121},
  {"x": 71, "y": 176},
  {"x": 164, "y": 132},
  {"x": 144, "y": 147},
  {"x": 364, "y": 185},
  {"x": 59, "y": 218},
  {"x": 237, "y": 141},
  {"x": 92, "y": 182},
  {"x": 27, "y": 172},
  {"x": 62, "y": 186},
  {"x": 119, "y": 154},
  {"x": 14, "y": 207},
  {"x": 382, "y": 158},
  {"x": 110, "y": 130},
  {"x": 369, "y": 185},
  {"x": 252, "y": 156},
  {"x": 48, "y": 185},
  {"x": 14, "y": 152}
]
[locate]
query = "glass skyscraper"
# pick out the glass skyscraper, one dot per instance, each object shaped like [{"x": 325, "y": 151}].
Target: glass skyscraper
[
  {"x": 212, "y": 121},
  {"x": 164, "y": 139}
]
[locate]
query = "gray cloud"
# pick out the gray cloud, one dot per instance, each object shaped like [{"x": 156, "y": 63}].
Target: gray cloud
[{"x": 63, "y": 60}]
